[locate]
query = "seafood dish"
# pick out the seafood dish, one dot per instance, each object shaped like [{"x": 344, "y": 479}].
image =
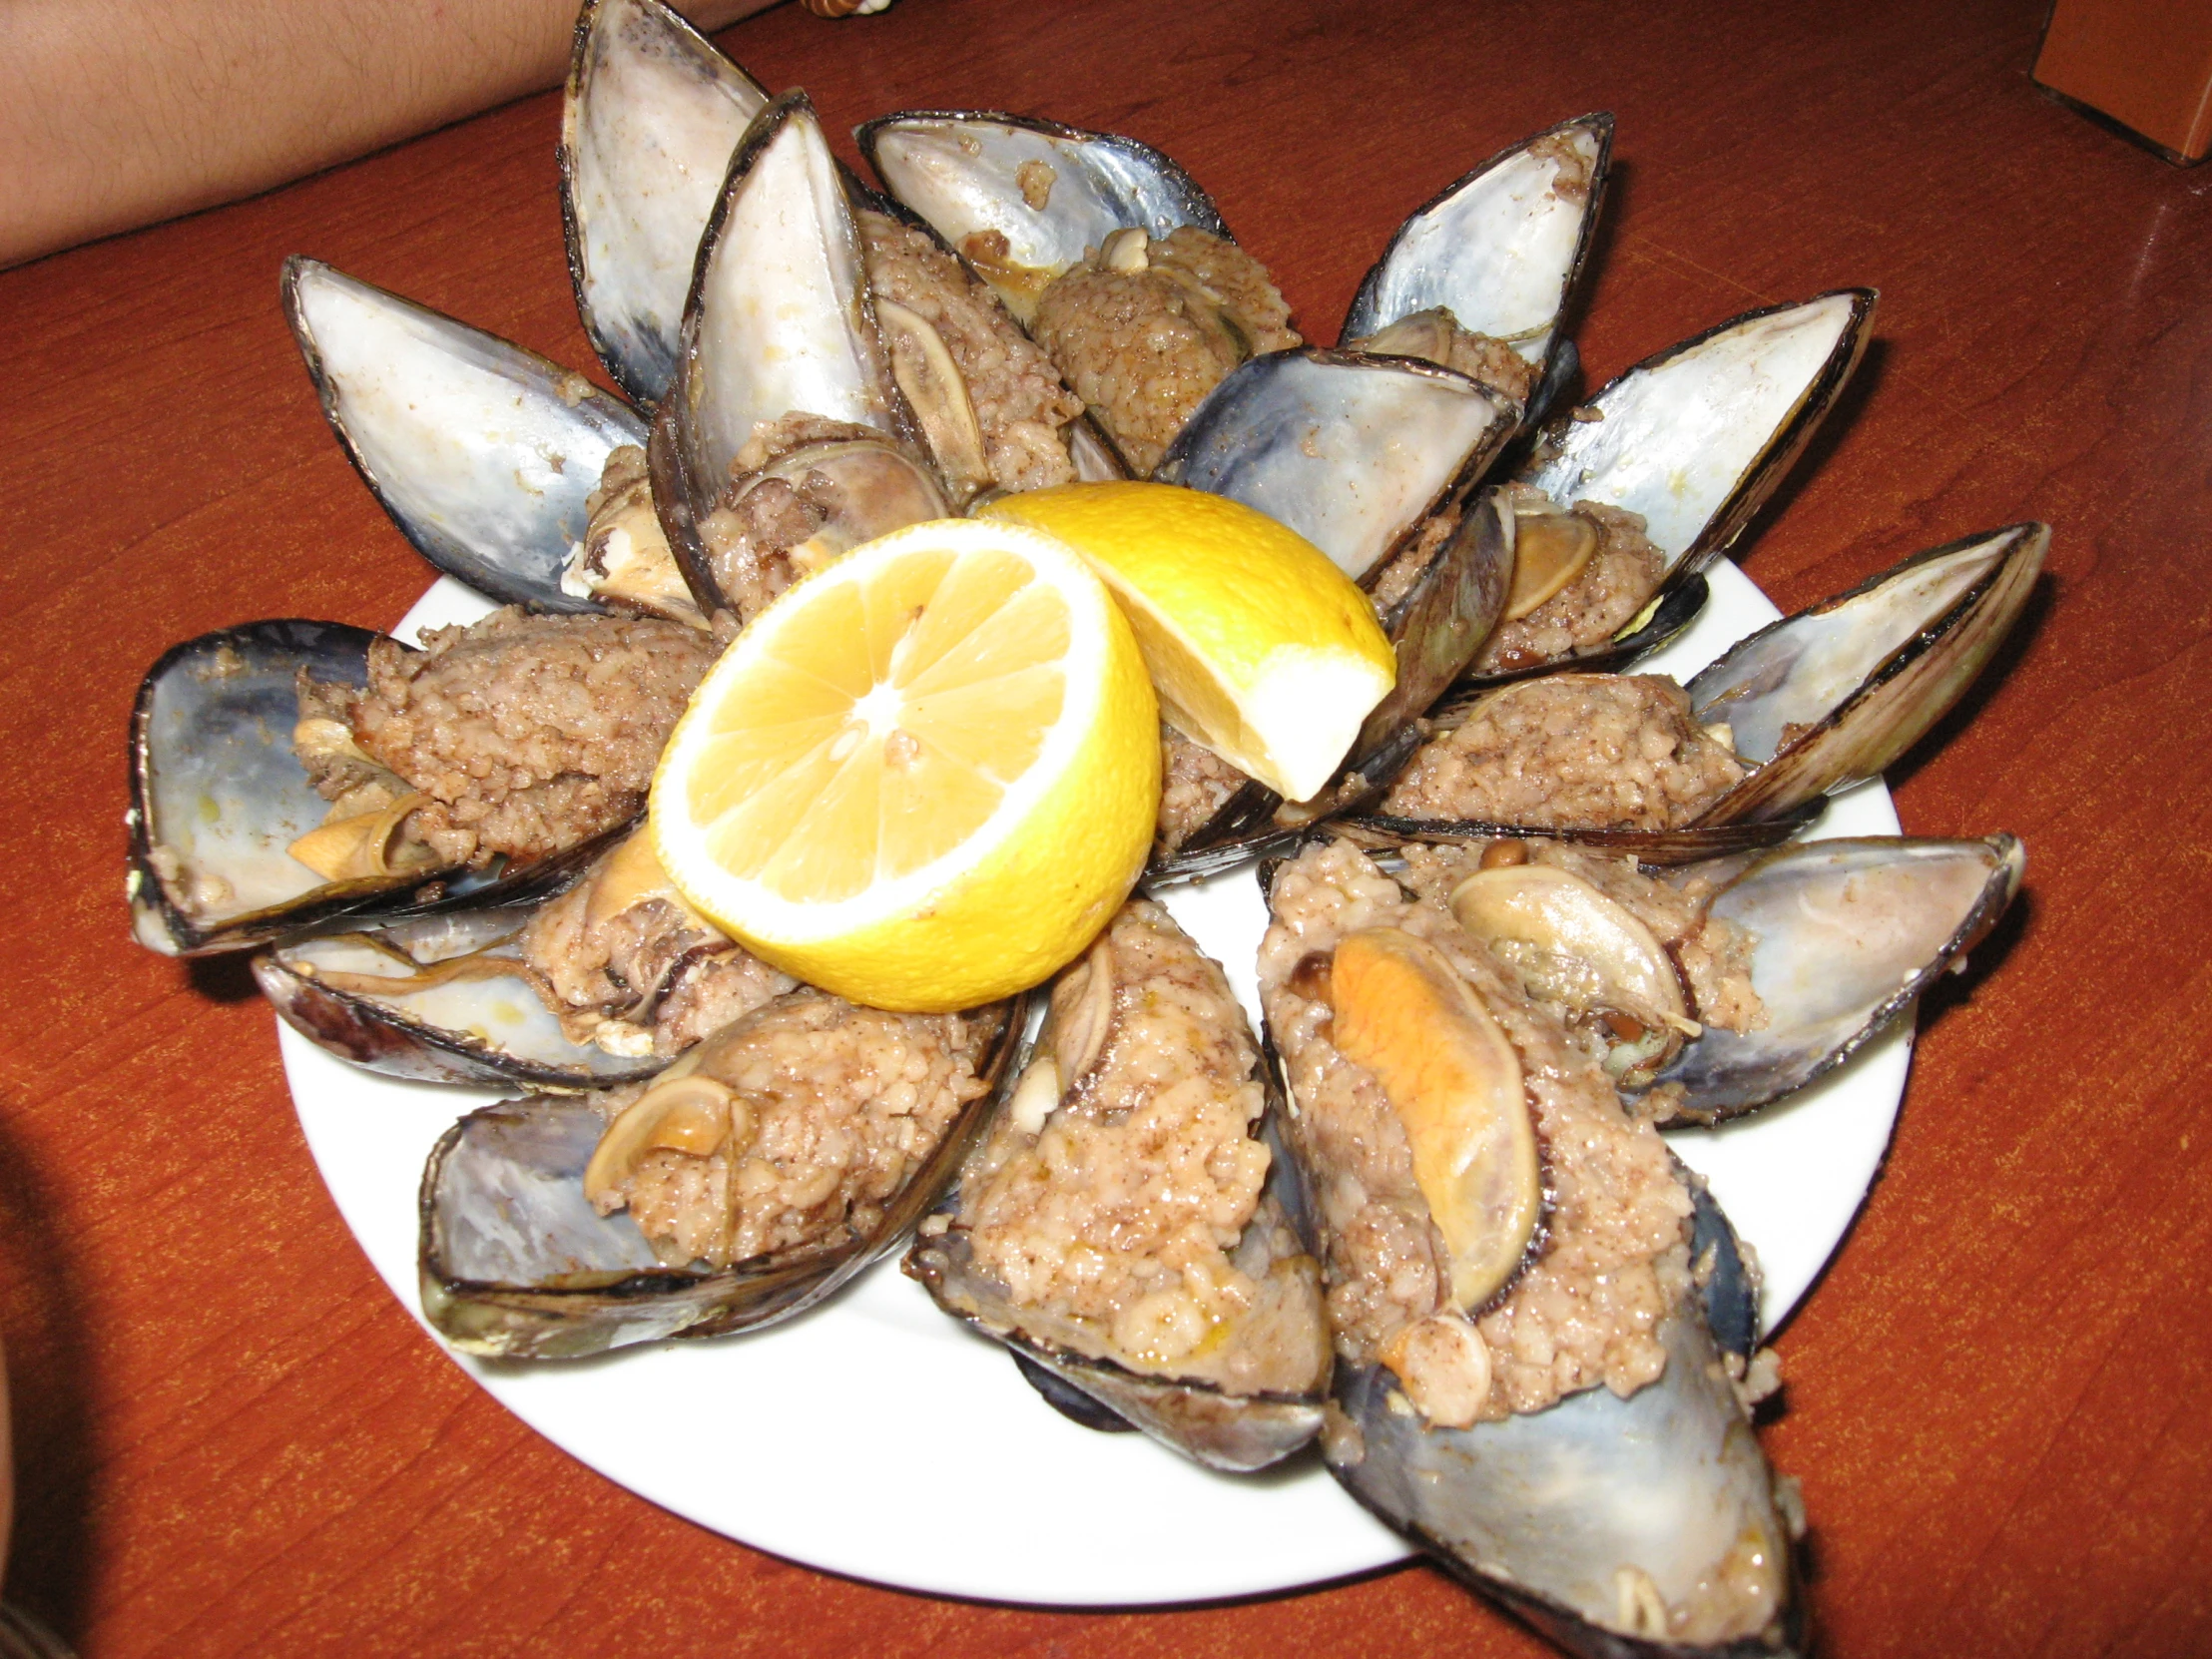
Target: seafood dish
[
  {"x": 1169, "y": 1287},
  {"x": 1369, "y": 1174}
]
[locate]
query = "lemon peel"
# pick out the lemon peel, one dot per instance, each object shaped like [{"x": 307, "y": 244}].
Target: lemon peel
[
  {"x": 1259, "y": 646},
  {"x": 923, "y": 778}
]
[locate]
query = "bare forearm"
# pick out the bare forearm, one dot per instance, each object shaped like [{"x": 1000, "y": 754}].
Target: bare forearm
[{"x": 121, "y": 111}]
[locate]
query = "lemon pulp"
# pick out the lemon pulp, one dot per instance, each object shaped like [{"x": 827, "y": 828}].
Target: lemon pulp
[
  {"x": 923, "y": 778},
  {"x": 1259, "y": 647}
]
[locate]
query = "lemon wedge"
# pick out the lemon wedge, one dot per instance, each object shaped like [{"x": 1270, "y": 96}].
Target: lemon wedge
[
  {"x": 1261, "y": 648},
  {"x": 923, "y": 778}
]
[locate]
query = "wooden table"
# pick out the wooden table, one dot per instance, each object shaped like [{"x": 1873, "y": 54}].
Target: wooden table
[{"x": 232, "y": 1440}]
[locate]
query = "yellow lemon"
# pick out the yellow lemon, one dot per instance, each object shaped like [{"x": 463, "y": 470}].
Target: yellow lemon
[
  {"x": 923, "y": 778},
  {"x": 1259, "y": 647}
]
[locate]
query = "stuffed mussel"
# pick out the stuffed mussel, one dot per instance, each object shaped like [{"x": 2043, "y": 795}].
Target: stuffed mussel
[
  {"x": 287, "y": 773},
  {"x": 1480, "y": 277},
  {"x": 1628, "y": 498},
  {"x": 441, "y": 999},
  {"x": 1745, "y": 753},
  {"x": 1114, "y": 260},
  {"x": 840, "y": 376},
  {"x": 785, "y": 439},
  {"x": 745, "y": 1182},
  {"x": 603, "y": 982},
  {"x": 1711, "y": 989},
  {"x": 1121, "y": 1225},
  {"x": 1528, "y": 1378}
]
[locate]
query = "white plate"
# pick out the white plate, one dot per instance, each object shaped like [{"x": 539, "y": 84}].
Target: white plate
[{"x": 879, "y": 1438}]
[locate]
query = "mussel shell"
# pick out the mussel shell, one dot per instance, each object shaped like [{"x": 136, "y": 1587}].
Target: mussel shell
[
  {"x": 515, "y": 1262},
  {"x": 651, "y": 115},
  {"x": 1242, "y": 827},
  {"x": 1539, "y": 1511},
  {"x": 214, "y": 779},
  {"x": 1497, "y": 246},
  {"x": 1192, "y": 1415},
  {"x": 481, "y": 1032},
  {"x": 1697, "y": 436},
  {"x": 957, "y": 168},
  {"x": 1435, "y": 626},
  {"x": 1439, "y": 622},
  {"x": 1730, "y": 1281},
  {"x": 1847, "y": 935},
  {"x": 1068, "y": 1399},
  {"x": 1353, "y": 452},
  {"x": 1561, "y": 369},
  {"x": 1237, "y": 1434},
  {"x": 1817, "y": 700},
  {"x": 1840, "y": 689},
  {"x": 1660, "y": 848},
  {"x": 779, "y": 320},
  {"x": 482, "y": 453},
  {"x": 1694, "y": 439}
]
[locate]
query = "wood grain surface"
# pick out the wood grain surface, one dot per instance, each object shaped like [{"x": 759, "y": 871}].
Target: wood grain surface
[{"x": 1999, "y": 1398}]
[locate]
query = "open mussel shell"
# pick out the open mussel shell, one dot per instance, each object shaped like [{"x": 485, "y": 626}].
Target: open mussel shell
[
  {"x": 217, "y": 796},
  {"x": 428, "y": 1000},
  {"x": 1436, "y": 623},
  {"x": 1818, "y": 701},
  {"x": 482, "y": 453},
  {"x": 778, "y": 321},
  {"x": 651, "y": 116},
  {"x": 1835, "y": 693},
  {"x": 1501, "y": 247},
  {"x": 1193, "y": 1415},
  {"x": 1050, "y": 191},
  {"x": 1845, "y": 936},
  {"x": 1354, "y": 452},
  {"x": 1558, "y": 1514},
  {"x": 778, "y": 318},
  {"x": 1695, "y": 437},
  {"x": 1540, "y": 1512},
  {"x": 1693, "y": 440},
  {"x": 1648, "y": 1525},
  {"x": 516, "y": 1263}
]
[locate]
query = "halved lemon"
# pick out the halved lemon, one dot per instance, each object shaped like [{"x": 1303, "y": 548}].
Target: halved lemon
[
  {"x": 1259, "y": 647},
  {"x": 923, "y": 778}
]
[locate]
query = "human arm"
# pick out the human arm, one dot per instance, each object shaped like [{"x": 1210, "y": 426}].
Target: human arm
[{"x": 123, "y": 112}]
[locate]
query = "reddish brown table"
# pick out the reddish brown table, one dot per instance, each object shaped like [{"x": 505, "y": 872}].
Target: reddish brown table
[{"x": 232, "y": 1440}]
